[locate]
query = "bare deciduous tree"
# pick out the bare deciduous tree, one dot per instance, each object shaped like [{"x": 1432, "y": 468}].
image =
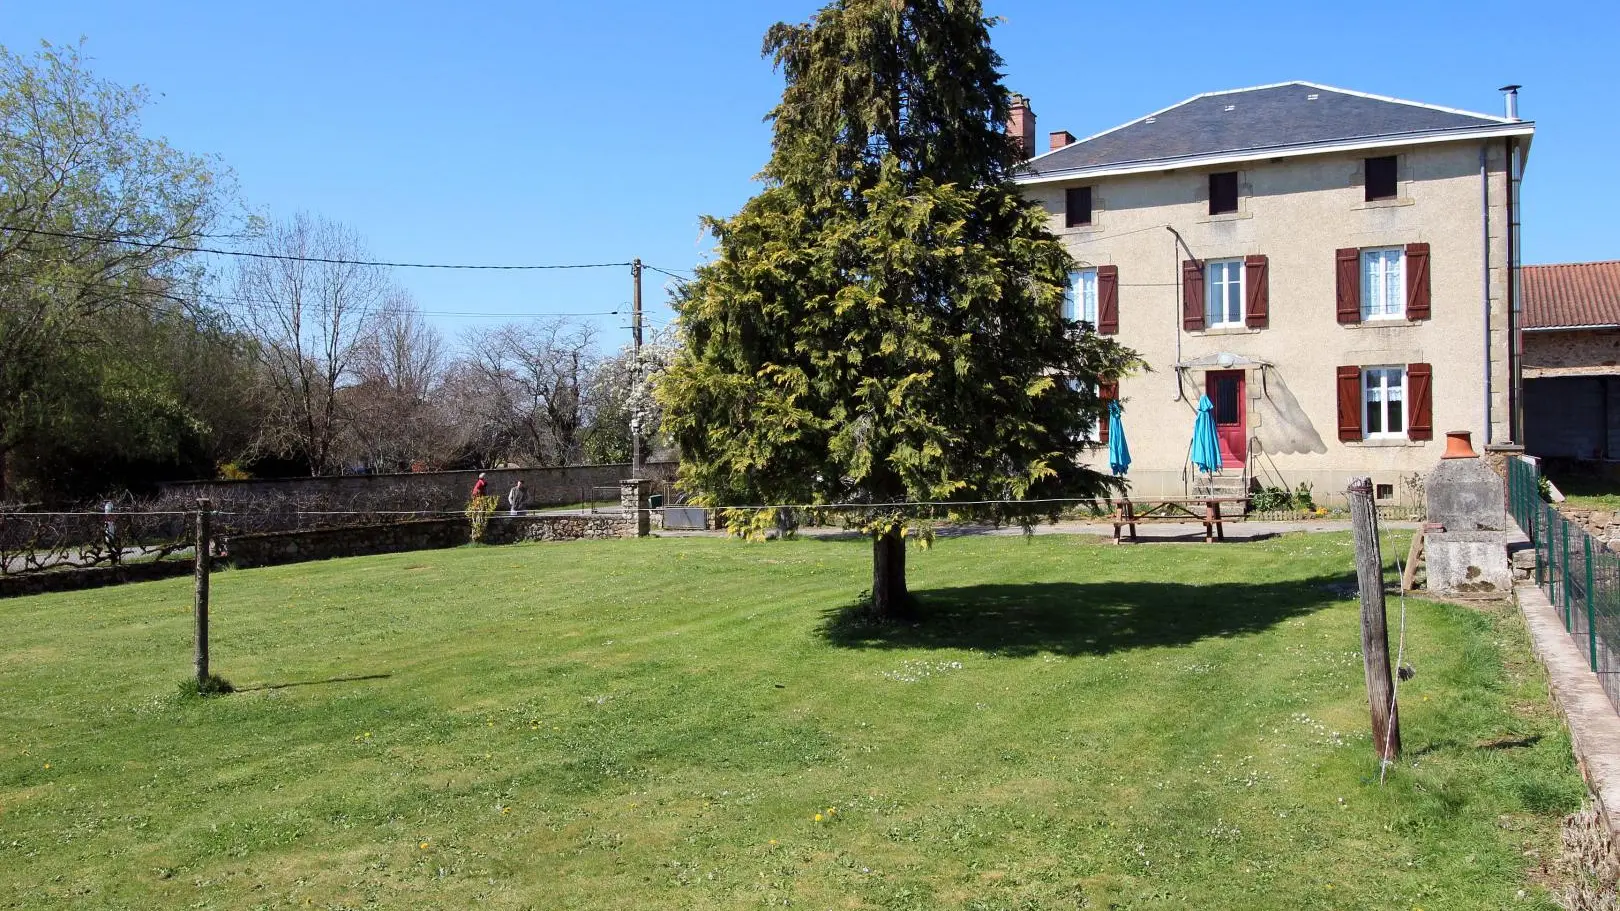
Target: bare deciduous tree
[
  {"x": 311, "y": 319},
  {"x": 522, "y": 387},
  {"x": 397, "y": 400}
]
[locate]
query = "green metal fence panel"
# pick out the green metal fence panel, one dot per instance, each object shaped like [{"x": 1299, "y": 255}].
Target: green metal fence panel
[
  {"x": 1591, "y": 611},
  {"x": 1578, "y": 573}
]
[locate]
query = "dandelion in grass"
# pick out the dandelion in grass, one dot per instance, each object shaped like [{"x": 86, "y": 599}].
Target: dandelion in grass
[
  {"x": 424, "y": 845},
  {"x": 817, "y": 817}
]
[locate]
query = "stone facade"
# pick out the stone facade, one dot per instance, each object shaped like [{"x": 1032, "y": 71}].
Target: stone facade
[
  {"x": 1571, "y": 352},
  {"x": 1297, "y": 211}
]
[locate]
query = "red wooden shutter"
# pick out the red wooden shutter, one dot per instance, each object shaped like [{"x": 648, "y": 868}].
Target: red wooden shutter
[
  {"x": 1256, "y": 288},
  {"x": 1108, "y": 300},
  {"x": 1349, "y": 403},
  {"x": 1420, "y": 419},
  {"x": 1349, "y": 291},
  {"x": 1108, "y": 392},
  {"x": 1417, "y": 281},
  {"x": 1192, "y": 295}
]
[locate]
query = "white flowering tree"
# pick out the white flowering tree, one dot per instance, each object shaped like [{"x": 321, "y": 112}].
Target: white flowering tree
[{"x": 622, "y": 401}]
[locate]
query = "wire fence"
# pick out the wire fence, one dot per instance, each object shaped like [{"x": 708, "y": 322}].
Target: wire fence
[{"x": 1578, "y": 573}]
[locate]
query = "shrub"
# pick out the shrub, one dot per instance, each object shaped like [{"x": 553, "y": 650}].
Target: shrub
[
  {"x": 479, "y": 509},
  {"x": 1272, "y": 499},
  {"x": 1302, "y": 497}
]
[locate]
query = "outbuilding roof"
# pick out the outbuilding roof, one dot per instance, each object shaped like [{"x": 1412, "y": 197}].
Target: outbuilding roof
[
  {"x": 1570, "y": 295},
  {"x": 1260, "y": 122}
]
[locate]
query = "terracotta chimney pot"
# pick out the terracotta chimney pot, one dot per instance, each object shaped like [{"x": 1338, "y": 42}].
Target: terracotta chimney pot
[{"x": 1459, "y": 445}]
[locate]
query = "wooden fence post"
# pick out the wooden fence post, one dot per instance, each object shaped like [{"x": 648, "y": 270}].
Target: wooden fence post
[
  {"x": 204, "y": 565},
  {"x": 1386, "y": 724}
]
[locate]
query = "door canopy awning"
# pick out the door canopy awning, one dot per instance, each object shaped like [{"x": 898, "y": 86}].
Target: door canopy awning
[{"x": 1224, "y": 360}]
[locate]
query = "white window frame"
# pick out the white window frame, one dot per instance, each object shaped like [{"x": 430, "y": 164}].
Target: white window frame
[
  {"x": 1080, "y": 299},
  {"x": 1218, "y": 316},
  {"x": 1381, "y": 282},
  {"x": 1377, "y": 380}
]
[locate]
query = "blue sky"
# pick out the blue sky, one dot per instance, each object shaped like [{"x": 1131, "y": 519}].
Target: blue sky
[{"x": 548, "y": 132}]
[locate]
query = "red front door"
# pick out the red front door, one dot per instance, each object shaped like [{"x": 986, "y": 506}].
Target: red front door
[{"x": 1225, "y": 389}]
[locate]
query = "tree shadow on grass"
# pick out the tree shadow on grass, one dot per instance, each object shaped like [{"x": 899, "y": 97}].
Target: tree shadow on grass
[
  {"x": 1089, "y": 618},
  {"x": 329, "y": 680}
]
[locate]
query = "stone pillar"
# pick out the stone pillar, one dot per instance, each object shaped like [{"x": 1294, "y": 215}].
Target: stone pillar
[
  {"x": 1498, "y": 454},
  {"x": 1465, "y": 542},
  {"x": 633, "y": 501}
]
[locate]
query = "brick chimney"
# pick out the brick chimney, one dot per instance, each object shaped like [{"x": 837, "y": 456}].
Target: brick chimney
[
  {"x": 1059, "y": 139},
  {"x": 1021, "y": 125}
]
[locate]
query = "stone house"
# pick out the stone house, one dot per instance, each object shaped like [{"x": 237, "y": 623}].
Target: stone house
[
  {"x": 1335, "y": 270},
  {"x": 1571, "y": 338}
]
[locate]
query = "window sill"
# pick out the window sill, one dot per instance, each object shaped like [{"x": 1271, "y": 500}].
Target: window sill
[
  {"x": 1224, "y": 330},
  {"x": 1387, "y": 442},
  {"x": 1092, "y": 228},
  {"x": 1384, "y": 324},
  {"x": 1395, "y": 203},
  {"x": 1224, "y": 216}
]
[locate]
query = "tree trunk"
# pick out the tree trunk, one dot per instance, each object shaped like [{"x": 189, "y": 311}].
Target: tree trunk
[{"x": 890, "y": 600}]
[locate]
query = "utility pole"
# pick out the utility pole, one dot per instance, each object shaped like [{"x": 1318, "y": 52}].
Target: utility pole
[
  {"x": 635, "y": 338},
  {"x": 1386, "y": 723}
]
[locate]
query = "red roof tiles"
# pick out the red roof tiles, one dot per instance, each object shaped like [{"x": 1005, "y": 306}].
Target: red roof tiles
[{"x": 1571, "y": 294}]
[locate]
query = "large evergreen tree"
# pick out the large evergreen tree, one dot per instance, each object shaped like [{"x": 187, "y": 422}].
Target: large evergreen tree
[{"x": 883, "y": 324}]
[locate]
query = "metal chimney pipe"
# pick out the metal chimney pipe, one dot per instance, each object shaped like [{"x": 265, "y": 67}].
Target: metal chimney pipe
[{"x": 1512, "y": 99}]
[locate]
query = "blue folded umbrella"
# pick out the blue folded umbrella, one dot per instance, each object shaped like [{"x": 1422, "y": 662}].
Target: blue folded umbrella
[
  {"x": 1119, "y": 453},
  {"x": 1206, "y": 449}
]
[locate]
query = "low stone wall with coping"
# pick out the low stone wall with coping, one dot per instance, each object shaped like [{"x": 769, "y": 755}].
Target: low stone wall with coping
[
  {"x": 279, "y": 547},
  {"x": 78, "y": 578},
  {"x": 275, "y": 548},
  {"x": 283, "y": 547},
  {"x": 570, "y": 527}
]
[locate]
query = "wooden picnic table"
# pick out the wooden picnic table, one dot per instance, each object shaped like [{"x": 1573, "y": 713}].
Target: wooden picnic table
[{"x": 1173, "y": 509}]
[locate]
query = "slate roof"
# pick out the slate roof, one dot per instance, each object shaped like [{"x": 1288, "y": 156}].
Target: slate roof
[
  {"x": 1284, "y": 116},
  {"x": 1568, "y": 295}
]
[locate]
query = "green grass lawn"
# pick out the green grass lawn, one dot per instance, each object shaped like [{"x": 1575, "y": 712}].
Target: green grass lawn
[
  {"x": 1589, "y": 491},
  {"x": 658, "y": 724}
]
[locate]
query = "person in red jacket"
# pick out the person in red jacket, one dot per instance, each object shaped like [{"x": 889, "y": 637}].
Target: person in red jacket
[{"x": 479, "y": 486}]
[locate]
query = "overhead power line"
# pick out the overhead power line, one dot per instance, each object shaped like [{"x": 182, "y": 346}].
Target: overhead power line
[
  {"x": 231, "y": 302},
  {"x": 181, "y": 248},
  {"x": 679, "y": 278}
]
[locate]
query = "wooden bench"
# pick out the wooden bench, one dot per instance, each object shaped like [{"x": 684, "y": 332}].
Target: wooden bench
[{"x": 1127, "y": 514}]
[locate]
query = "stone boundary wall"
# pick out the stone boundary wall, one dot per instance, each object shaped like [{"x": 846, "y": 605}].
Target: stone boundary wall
[
  {"x": 428, "y": 491},
  {"x": 578, "y": 527},
  {"x": 281, "y": 547},
  {"x": 1602, "y": 525},
  {"x": 77, "y": 579}
]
